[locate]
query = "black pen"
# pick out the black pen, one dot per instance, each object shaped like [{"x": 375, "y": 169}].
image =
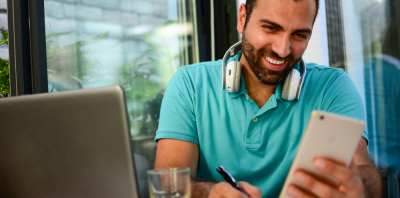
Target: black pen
[{"x": 228, "y": 177}]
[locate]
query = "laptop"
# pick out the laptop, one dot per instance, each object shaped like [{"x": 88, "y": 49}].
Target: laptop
[{"x": 67, "y": 144}]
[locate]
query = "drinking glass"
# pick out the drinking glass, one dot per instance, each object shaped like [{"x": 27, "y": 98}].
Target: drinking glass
[{"x": 169, "y": 182}]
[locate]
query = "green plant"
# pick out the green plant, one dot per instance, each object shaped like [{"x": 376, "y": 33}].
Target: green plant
[
  {"x": 145, "y": 79},
  {"x": 156, "y": 61},
  {"x": 4, "y": 71}
]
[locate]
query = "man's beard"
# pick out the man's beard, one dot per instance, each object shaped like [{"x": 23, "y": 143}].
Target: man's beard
[{"x": 264, "y": 74}]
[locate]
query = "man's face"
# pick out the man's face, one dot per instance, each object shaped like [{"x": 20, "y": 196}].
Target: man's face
[{"x": 275, "y": 37}]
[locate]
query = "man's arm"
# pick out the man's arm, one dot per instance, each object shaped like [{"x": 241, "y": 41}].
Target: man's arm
[
  {"x": 177, "y": 153},
  {"x": 368, "y": 173}
]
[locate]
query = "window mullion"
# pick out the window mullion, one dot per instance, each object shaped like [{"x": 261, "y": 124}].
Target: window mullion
[
  {"x": 20, "y": 66},
  {"x": 38, "y": 46}
]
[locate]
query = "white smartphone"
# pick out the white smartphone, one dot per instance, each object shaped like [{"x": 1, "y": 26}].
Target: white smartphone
[{"x": 327, "y": 135}]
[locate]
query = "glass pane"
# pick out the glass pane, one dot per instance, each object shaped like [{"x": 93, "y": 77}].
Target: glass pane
[
  {"x": 4, "y": 64},
  {"x": 373, "y": 62},
  {"x": 133, "y": 43}
]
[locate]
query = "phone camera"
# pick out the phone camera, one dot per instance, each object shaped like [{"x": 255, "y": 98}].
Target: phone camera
[{"x": 322, "y": 117}]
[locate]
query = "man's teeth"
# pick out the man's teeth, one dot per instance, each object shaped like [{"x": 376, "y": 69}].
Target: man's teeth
[{"x": 275, "y": 62}]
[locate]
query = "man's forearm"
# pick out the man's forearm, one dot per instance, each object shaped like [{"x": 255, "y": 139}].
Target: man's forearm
[
  {"x": 371, "y": 180},
  {"x": 201, "y": 188}
]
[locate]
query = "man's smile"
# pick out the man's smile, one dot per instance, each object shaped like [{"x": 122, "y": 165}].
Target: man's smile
[{"x": 275, "y": 64}]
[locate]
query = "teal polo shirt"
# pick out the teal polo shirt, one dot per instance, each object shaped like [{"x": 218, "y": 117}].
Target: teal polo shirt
[{"x": 254, "y": 144}]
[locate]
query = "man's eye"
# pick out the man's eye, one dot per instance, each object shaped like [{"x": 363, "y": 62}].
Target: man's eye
[
  {"x": 270, "y": 27},
  {"x": 301, "y": 36}
]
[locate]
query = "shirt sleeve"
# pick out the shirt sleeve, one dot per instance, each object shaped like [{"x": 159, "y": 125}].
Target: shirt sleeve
[
  {"x": 342, "y": 97},
  {"x": 177, "y": 115}
]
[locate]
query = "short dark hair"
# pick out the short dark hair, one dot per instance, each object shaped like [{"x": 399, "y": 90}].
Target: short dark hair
[{"x": 250, "y": 4}]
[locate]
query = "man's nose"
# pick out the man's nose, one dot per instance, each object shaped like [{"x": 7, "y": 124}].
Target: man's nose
[{"x": 281, "y": 46}]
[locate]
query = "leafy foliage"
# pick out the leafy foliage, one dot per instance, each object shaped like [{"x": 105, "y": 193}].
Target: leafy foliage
[
  {"x": 4, "y": 77},
  {"x": 155, "y": 62},
  {"x": 145, "y": 79},
  {"x": 5, "y": 38},
  {"x": 57, "y": 34},
  {"x": 4, "y": 70}
]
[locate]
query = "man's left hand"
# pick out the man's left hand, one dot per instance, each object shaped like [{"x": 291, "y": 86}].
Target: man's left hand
[{"x": 350, "y": 181}]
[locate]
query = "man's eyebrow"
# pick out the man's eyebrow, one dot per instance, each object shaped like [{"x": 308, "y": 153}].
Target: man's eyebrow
[
  {"x": 308, "y": 31},
  {"x": 271, "y": 23},
  {"x": 305, "y": 30}
]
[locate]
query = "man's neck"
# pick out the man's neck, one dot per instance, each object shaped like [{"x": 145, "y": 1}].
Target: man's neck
[{"x": 257, "y": 90}]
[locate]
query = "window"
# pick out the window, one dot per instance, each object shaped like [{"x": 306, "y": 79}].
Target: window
[
  {"x": 372, "y": 55},
  {"x": 136, "y": 44}
]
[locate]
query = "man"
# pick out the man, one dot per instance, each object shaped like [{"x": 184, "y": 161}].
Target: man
[{"x": 254, "y": 133}]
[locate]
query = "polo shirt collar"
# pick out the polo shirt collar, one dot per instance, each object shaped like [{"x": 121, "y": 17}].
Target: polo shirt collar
[
  {"x": 278, "y": 91},
  {"x": 243, "y": 90}
]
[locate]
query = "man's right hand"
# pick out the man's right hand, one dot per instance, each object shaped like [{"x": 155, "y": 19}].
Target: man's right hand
[
  {"x": 224, "y": 189},
  {"x": 177, "y": 153}
]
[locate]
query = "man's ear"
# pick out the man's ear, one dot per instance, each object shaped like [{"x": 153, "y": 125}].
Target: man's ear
[{"x": 241, "y": 18}]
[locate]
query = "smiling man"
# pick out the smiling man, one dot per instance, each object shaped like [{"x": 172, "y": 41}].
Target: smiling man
[{"x": 254, "y": 133}]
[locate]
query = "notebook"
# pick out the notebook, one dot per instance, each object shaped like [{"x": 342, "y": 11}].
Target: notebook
[{"x": 67, "y": 144}]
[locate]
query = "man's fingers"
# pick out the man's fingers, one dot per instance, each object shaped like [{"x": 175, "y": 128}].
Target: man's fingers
[
  {"x": 315, "y": 186},
  {"x": 348, "y": 177},
  {"x": 252, "y": 191},
  {"x": 225, "y": 190},
  {"x": 296, "y": 192}
]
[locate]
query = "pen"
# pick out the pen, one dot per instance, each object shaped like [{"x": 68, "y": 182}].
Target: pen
[{"x": 228, "y": 177}]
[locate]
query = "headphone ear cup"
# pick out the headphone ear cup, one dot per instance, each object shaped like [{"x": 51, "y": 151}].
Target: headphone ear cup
[
  {"x": 233, "y": 74},
  {"x": 291, "y": 85},
  {"x": 238, "y": 75}
]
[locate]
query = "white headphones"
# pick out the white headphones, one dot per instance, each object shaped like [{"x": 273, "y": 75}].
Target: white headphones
[{"x": 232, "y": 72}]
